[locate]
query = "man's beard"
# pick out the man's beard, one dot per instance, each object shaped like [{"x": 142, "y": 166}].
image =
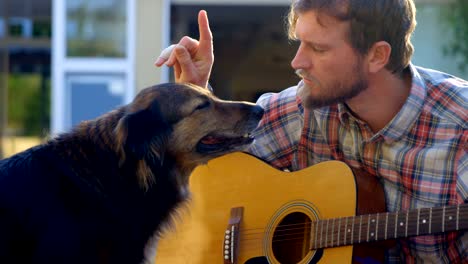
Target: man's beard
[{"x": 337, "y": 93}]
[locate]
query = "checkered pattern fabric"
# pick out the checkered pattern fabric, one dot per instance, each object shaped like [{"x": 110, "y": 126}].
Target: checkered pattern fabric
[{"x": 420, "y": 156}]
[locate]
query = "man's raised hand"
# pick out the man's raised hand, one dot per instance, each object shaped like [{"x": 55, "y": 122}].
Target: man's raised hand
[{"x": 192, "y": 59}]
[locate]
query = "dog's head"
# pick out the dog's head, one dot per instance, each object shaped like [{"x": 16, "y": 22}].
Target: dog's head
[{"x": 185, "y": 124}]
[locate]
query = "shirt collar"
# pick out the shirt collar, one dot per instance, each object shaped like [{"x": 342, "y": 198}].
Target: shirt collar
[
  {"x": 405, "y": 118},
  {"x": 403, "y": 122}
]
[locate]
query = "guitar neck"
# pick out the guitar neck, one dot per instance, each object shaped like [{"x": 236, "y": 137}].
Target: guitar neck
[{"x": 376, "y": 227}]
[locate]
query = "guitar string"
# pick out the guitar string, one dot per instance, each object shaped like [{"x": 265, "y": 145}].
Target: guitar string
[
  {"x": 335, "y": 233},
  {"x": 256, "y": 243},
  {"x": 411, "y": 229},
  {"x": 328, "y": 243},
  {"x": 247, "y": 236},
  {"x": 402, "y": 216}
]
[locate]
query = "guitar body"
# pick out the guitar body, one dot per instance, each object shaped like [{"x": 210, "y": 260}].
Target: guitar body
[{"x": 271, "y": 200}]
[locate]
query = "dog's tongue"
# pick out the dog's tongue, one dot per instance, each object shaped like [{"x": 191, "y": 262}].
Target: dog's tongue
[{"x": 210, "y": 140}]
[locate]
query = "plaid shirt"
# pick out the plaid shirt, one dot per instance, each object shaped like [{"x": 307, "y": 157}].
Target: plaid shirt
[{"x": 420, "y": 156}]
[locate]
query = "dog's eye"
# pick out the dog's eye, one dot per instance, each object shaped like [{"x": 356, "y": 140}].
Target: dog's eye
[{"x": 203, "y": 105}]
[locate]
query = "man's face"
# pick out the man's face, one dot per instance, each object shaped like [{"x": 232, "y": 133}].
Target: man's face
[{"x": 332, "y": 71}]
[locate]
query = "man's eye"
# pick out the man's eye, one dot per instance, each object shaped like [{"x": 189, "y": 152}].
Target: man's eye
[
  {"x": 203, "y": 105},
  {"x": 315, "y": 48},
  {"x": 318, "y": 49}
]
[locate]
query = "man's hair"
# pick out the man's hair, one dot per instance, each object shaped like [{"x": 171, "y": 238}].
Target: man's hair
[{"x": 371, "y": 21}]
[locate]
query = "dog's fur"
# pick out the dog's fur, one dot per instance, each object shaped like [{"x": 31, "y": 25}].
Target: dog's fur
[{"x": 101, "y": 192}]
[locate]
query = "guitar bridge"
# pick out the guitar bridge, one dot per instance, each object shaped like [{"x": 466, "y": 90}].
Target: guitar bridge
[{"x": 231, "y": 236}]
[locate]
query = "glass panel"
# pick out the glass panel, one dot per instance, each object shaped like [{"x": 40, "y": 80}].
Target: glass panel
[
  {"x": 93, "y": 95},
  {"x": 41, "y": 28},
  {"x": 2, "y": 27},
  {"x": 96, "y": 28},
  {"x": 3, "y": 100},
  {"x": 28, "y": 104},
  {"x": 20, "y": 27}
]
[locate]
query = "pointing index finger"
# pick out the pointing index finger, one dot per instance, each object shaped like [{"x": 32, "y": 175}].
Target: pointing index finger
[{"x": 204, "y": 28}]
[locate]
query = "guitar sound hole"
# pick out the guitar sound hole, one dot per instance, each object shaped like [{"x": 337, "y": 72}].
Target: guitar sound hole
[{"x": 291, "y": 239}]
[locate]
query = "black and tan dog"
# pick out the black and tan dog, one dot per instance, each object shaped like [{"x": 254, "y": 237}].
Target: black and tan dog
[{"x": 101, "y": 193}]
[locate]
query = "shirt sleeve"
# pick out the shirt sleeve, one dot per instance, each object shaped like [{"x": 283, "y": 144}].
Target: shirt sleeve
[
  {"x": 279, "y": 131},
  {"x": 462, "y": 171}
]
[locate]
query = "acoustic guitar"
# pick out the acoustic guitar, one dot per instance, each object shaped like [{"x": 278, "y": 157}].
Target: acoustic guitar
[{"x": 244, "y": 211}]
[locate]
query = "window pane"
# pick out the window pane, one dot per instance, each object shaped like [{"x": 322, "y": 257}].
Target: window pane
[
  {"x": 96, "y": 28},
  {"x": 41, "y": 28},
  {"x": 2, "y": 27},
  {"x": 20, "y": 27},
  {"x": 93, "y": 95}
]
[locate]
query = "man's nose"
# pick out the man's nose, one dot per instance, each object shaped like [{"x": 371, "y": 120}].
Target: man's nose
[{"x": 300, "y": 60}]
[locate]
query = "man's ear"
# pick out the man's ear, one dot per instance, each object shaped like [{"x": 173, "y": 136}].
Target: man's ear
[
  {"x": 378, "y": 56},
  {"x": 144, "y": 134}
]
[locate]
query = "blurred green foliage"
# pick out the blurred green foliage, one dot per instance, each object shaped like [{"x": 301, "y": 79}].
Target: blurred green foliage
[
  {"x": 28, "y": 104},
  {"x": 456, "y": 17},
  {"x": 96, "y": 48},
  {"x": 96, "y": 30}
]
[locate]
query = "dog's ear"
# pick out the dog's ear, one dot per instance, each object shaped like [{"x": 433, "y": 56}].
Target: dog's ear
[{"x": 144, "y": 134}]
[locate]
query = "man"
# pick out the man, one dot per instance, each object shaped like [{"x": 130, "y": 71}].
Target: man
[{"x": 361, "y": 101}]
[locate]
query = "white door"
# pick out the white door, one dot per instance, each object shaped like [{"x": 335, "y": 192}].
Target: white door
[{"x": 92, "y": 59}]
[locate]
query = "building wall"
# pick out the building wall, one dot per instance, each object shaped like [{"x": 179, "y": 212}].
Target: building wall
[{"x": 151, "y": 37}]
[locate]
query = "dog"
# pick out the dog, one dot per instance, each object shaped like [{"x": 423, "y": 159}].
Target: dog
[{"x": 102, "y": 192}]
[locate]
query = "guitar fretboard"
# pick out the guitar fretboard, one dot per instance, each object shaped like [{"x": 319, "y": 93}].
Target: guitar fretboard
[{"x": 375, "y": 227}]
